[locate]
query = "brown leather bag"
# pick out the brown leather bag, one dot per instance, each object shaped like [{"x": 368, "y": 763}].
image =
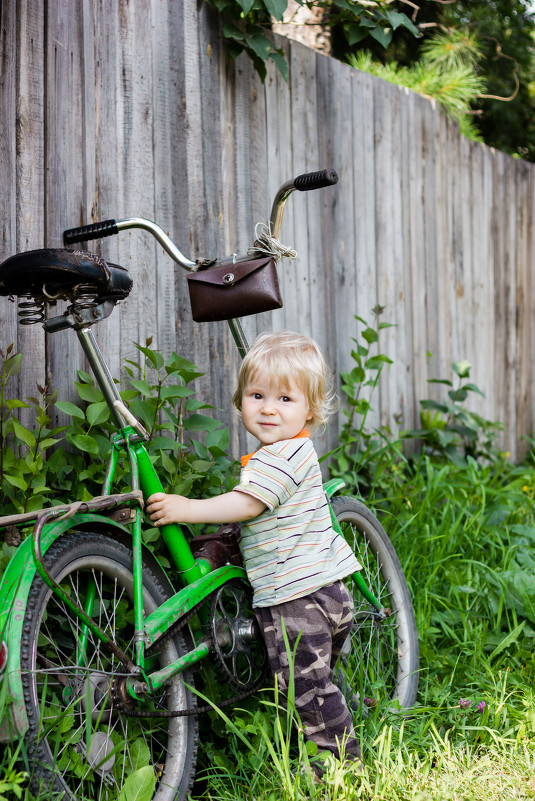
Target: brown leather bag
[{"x": 235, "y": 290}]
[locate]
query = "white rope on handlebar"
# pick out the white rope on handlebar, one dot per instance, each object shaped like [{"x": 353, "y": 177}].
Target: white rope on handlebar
[{"x": 267, "y": 244}]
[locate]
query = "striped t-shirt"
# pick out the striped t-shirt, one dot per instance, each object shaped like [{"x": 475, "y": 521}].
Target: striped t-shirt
[{"x": 291, "y": 549}]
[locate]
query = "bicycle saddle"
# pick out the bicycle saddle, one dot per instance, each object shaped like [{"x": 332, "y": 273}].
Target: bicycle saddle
[{"x": 54, "y": 274}]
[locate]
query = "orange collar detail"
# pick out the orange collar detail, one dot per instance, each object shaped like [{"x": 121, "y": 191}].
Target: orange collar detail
[{"x": 245, "y": 459}]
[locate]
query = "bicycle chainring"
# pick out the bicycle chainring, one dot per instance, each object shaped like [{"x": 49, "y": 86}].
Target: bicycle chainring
[{"x": 236, "y": 637}]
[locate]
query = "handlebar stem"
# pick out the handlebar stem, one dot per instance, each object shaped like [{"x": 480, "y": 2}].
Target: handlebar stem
[{"x": 277, "y": 208}]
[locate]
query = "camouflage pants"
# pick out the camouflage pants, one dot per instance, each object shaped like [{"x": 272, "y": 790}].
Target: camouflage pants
[{"x": 323, "y": 619}]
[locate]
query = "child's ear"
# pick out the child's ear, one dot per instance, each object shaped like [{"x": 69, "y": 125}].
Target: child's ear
[{"x": 309, "y": 415}]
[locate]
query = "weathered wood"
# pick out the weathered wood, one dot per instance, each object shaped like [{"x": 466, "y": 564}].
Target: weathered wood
[
  {"x": 112, "y": 109},
  {"x": 8, "y": 162}
]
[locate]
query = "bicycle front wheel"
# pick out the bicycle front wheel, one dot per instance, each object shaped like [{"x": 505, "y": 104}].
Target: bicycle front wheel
[
  {"x": 81, "y": 742},
  {"x": 380, "y": 659}
]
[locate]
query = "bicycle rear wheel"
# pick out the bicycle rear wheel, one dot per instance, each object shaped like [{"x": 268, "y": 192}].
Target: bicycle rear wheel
[
  {"x": 380, "y": 659},
  {"x": 80, "y": 742}
]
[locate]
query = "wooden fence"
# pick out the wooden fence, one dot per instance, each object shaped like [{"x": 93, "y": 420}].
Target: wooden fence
[{"x": 114, "y": 109}]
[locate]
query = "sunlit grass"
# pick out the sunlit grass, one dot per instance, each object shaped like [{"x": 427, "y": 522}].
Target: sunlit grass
[{"x": 466, "y": 540}]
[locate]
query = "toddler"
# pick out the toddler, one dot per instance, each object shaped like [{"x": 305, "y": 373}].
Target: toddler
[{"x": 294, "y": 559}]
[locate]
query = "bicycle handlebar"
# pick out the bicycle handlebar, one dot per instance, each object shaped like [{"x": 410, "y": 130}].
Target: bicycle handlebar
[
  {"x": 96, "y": 230},
  {"x": 104, "y": 228},
  {"x": 303, "y": 183},
  {"x": 315, "y": 180}
]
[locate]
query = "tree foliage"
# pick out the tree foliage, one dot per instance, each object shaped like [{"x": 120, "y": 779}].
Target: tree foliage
[
  {"x": 496, "y": 38},
  {"x": 246, "y": 23},
  {"x": 493, "y": 41}
]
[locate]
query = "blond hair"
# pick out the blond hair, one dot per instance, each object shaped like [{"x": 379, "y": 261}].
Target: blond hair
[{"x": 289, "y": 357}]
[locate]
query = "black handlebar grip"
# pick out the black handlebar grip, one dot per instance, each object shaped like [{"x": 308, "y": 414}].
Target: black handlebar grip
[
  {"x": 96, "y": 230},
  {"x": 316, "y": 180}
]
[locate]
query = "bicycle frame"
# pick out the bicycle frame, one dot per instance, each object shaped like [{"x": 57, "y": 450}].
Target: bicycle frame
[{"x": 196, "y": 576}]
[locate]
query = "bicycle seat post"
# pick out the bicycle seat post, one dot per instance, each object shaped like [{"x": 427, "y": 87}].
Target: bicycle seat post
[{"x": 101, "y": 372}]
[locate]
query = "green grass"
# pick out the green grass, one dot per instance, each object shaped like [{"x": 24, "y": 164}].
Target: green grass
[{"x": 465, "y": 535}]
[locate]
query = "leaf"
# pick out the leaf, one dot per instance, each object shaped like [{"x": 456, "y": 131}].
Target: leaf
[
  {"x": 175, "y": 391},
  {"x": 84, "y": 443},
  {"x": 13, "y": 365},
  {"x": 473, "y": 388},
  {"x": 23, "y": 434},
  {"x": 245, "y": 5},
  {"x": 446, "y": 437},
  {"x": 16, "y": 481},
  {"x": 281, "y": 63},
  {"x": 377, "y": 361},
  {"x": 168, "y": 465},
  {"x": 97, "y": 413},
  {"x": 177, "y": 364},
  {"x": 260, "y": 45},
  {"x": 200, "y": 449},
  {"x": 397, "y": 18},
  {"x": 445, "y": 381},
  {"x": 382, "y": 35},
  {"x": 525, "y": 585},
  {"x": 139, "y": 786},
  {"x": 164, "y": 443},
  {"x": 231, "y": 32},
  {"x": 154, "y": 356},
  {"x": 370, "y": 335},
  {"x": 355, "y": 33},
  {"x": 218, "y": 439},
  {"x": 142, "y": 387},
  {"x": 200, "y": 465},
  {"x": 17, "y": 404},
  {"x": 462, "y": 368},
  {"x": 431, "y": 404},
  {"x": 47, "y": 443},
  {"x": 88, "y": 392},
  {"x": 524, "y": 531},
  {"x": 276, "y": 7},
  {"x": 70, "y": 408},
  {"x": 139, "y": 752},
  {"x": 511, "y": 638},
  {"x": 200, "y": 422},
  {"x": 458, "y": 395}
]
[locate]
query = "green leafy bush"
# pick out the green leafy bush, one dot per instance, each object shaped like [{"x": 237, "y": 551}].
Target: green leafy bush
[
  {"x": 449, "y": 429},
  {"x": 43, "y": 464},
  {"x": 363, "y": 454}
]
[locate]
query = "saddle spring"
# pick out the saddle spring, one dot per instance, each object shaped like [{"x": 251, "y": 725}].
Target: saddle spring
[
  {"x": 85, "y": 297},
  {"x": 30, "y": 310}
]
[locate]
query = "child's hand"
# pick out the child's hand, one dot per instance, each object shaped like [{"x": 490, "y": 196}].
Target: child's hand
[
  {"x": 163, "y": 509},
  {"x": 231, "y": 507}
]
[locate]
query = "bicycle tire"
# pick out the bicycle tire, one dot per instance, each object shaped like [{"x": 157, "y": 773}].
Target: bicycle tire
[
  {"x": 380, "y": 660},
  {"x": 76, "y": 748}
]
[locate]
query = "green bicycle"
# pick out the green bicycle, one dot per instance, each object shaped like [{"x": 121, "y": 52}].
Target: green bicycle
[{"x": 98, "y": 645}]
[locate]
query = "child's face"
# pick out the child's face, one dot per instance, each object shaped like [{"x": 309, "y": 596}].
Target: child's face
[{"x": 271, "y": 412}]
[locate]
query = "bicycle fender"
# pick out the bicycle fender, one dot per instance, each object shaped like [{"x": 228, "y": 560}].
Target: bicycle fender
[
  {"x": 333, "y": 486},
  {"x": 14, "y": 591}
]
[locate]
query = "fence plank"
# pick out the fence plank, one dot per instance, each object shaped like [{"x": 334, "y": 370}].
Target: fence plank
[
  {"x": 8, "y": 169},
  {"x": 30, "y": 179}
]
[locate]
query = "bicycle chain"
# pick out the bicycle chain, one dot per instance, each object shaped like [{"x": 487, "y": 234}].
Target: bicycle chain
[{"x": 132, "y": 711}]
